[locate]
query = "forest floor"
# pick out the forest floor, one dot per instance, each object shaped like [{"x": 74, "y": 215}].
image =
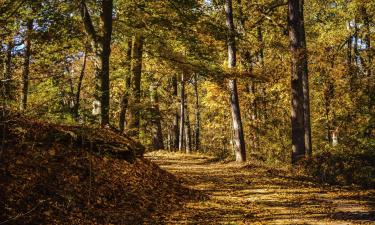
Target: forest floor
[{"x": 254, "y": 193}]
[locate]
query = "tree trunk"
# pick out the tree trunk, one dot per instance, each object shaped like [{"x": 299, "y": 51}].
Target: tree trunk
[
  {"x": 125, "y": 95},
  {"x": 297, "y": 71},
  {"x": 26, "y": 66},
  {"x": 157, "y": 135},
  {"x": 187, "y": 128},
  {"x": 369, "y": 84},
  {"x": 8, "y": 85},
  {"x": 305, "y": 86},
  {"x": 176, "y": 133},
  {"x": 79, "y": 87},
  {"x": 107, "y": 7},
  {"x": 182, "y": 113},
  {"x": 102, "y": 49},
  {"x": 239, "y": 140},
  {"x": 197, "y": 115},
  {"x": 136, "y": 72}
]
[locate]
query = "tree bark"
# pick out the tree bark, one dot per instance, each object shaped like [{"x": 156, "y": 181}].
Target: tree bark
[
  {"x": 77, "y": 97},
  {"x": 187, "y": 128},
  {"x": 369, "y": 85},
  {"x": 197, "y": 115},
  {"x": 8, "y": 85},
  {"x": 125, "y": 96},
  {"x": 102, "y": 49},
  {"x": 297, "y": 71},
  {"x": 305, "y": 86},
  {"x": 26, "y": 65},
  {"x": 182, "y": 114},
  {"x": 157, "y": 135},
  {"x": 107, "y": 7},
  {"x": 240, "y": 151},
  {"x": 136, "y": 73},
  {"x": 176, "y": 134}
]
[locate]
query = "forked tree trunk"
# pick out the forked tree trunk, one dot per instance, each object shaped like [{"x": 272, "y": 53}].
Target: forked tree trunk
[
  {"x": 136, "y": 72},
  {"x": 297, "y": 70},
  {"x": 102, "y": 48},
  {"x": 240, "y": 151},
  {"x": 26, "y": 65}
]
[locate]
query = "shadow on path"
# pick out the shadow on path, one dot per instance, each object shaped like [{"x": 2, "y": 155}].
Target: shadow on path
[{"x": 256, "y": 194}]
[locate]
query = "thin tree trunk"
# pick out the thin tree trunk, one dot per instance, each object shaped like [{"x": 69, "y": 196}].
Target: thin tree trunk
[
  {"x": 136, "y": 72},
  {"x": 125, "y": 96},
  {"x": 176, "y": 134},
  {"x": 26, "y": 66},
  {"x": 239, "y": 140},
  {"x": 157, "y": 135},
  {"x": 187, "y": 128},
  {"x": 369, "y": 85},
  {"x": 305, "y": 84},
  {"x": 182, "y": 113},
  {"x": 8, "y": 72},
  {"x": 79, "y": 87},
  {"x": 297, "y": 71},
  {"x": 197, "y": 115}
]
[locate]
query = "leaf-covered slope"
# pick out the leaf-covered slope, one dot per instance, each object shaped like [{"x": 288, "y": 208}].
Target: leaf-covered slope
[
  {"x": 25, "y": 131},
  {"x": 47, "y": 176}
]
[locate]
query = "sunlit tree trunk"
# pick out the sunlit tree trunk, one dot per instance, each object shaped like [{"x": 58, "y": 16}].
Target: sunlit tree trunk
[
  {"x": 125, "y": 95},
  {"x": 182, "y": 113},
  {"x": 197, "y": 115},
  {"x": 187, "y": 128},
  {"x": 239, "y": 140},
  {"x": 328, "y": 92},
  {"x": 369, "y": 74},
  {"x": 101, "y": 45},
  {"x": 136, "y": 72},
  {"x": 157, "y": 135},
  {"x": 305, "y": 86},
  {"x": 297, "y": 70},
  {"x": 26, "y": 65},
  {"x": 176, "y": 134}
]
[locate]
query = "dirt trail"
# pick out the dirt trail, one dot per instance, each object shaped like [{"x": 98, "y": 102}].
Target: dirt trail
[{"x": 255, "y": 194}]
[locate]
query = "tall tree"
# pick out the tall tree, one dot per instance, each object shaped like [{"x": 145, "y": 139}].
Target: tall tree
[
  {"x": 197, "y": 115},
  {"x": 182, "y": 113},
  {"x": 101, "y": 45},
  {"x": 125, "y": 95},
  {"x": 77, "y": 98},
  {"x": 8, "y": 84},
  {"x": 157, "y": 135},
  {"x": 297, "y": 50},
  {"x": 187, "y": 127},
  {"x": 136, "y": 73},
  {"x": 239, "y": 140},
  {"x": 305, "y": 84},
  {"x": 176, "y": 134},
  {"x": 26, "y": 64}
]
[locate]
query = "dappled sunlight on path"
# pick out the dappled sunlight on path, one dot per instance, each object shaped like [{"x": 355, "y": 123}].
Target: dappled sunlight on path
[{"x": 255, "y": 194}]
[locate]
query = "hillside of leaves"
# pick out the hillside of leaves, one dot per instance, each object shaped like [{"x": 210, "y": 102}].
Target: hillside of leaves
[{"x": 60, "y": 174}]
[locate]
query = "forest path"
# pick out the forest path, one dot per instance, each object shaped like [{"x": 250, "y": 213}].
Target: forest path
[{"x": 255, "y": 194}]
